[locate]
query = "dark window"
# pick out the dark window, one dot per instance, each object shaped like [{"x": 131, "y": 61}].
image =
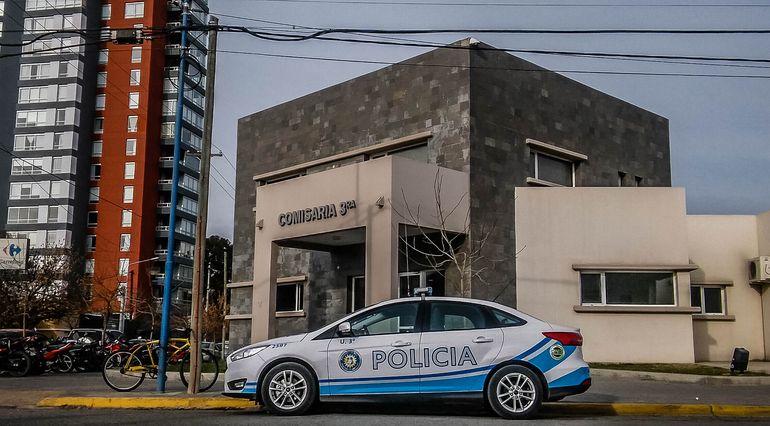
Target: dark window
[
  {"x": 356, "y": 294},
  {"x": 551, "y": 169},
  {"x": 590, "y": 288},
  {"x": 627, "y": 288},
  {"x": 710, "y": 300},
  {"x": 445, "y": 316},
  {"x": 289, "y": 297},
  {"x": 504, "y": 319},
  {"x": 92, "y": 218},
  {"x": 389, "y": 319},
  {"x": 407, "y": 284}
]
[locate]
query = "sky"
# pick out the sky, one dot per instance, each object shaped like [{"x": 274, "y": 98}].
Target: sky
[{"x": 719, "y": 126}]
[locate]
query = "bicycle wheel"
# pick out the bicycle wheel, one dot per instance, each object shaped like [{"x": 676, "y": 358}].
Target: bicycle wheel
[
  {"x": 209, "y": 370},
  {"x": 64, "y": 363},
  {"x": 19, "y": 363},
  {"x": 123, "y": 371}
]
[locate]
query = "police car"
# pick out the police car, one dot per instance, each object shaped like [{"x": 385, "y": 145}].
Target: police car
[{"x": 416, "y": 347}]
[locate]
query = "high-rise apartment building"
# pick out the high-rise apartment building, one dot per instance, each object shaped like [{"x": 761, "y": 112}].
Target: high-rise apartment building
[{"x": 87, "y": 147}]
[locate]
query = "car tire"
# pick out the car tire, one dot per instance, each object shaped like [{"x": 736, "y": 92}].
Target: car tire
[
  {"x": 515, "y": 392},
  {"x": 289, "y": 389}
]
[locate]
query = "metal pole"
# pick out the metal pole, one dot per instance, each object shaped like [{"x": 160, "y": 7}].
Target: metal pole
[
  {"x": 224, "y": 305},
  {"x": 166, "y": 309},
  {"x": 208, "y": 285},
  {"x": 202, "y": 220}
]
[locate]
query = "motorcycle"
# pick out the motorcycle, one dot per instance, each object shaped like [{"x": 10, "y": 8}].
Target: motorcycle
[
  {"x": 57, "y": 357},
  {"x": 13, "y": 359}
]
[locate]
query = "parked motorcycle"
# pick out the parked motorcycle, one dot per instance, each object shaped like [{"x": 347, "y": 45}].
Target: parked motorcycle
[
  {"x": 13, "y": 359},
  {"x": 57, "y": 357}
]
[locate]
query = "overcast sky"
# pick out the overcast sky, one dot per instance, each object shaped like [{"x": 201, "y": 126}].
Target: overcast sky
[{"x": 719, "y": 127}]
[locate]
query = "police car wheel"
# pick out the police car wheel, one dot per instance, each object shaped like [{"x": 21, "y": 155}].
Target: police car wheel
[
  {"x": 515, "y": 392},
  {"x": 289, "y": 389}
]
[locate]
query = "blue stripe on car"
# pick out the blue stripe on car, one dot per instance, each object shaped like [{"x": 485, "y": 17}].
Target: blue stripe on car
[
  {"x": 545, "y": 362},
  {"x": 571, "y": 379},
  {"x": 533, "y": 349},
  {"x": 414, "y": 376}
]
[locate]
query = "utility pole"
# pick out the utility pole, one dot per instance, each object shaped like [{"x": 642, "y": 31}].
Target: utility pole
[
  {"x": 224, "y": 304},
  {"x": 202, "y": 220},
  {"x": 166, "y": 309}
]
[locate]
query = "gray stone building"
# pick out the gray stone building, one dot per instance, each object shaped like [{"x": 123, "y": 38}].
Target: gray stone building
[{"x": 479, "y": 120}]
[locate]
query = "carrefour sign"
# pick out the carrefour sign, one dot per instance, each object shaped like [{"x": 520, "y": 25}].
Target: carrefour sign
[{"x": 13, "y": 253}]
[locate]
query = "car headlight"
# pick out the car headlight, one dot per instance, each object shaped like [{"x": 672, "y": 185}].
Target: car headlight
[{"x": 246, "y": 353}]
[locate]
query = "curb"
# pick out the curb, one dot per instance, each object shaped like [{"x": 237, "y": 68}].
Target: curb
[
  {"x": 174, "y": 403},
  {"x": 682, "y": 378},
  {"x": 218, "y": 403}
]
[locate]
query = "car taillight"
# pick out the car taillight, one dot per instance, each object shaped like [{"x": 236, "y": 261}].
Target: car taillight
[{"x": 566, "y": 338}]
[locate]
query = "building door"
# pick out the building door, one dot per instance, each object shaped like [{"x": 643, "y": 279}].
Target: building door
[
  {"x": 379, "y": 356},
  {"x": 356, "y": 296}
]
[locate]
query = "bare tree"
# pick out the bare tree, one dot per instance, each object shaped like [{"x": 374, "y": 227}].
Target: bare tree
[
  {"x": 447, "y": 241},
  {"x": 106, "y": 297}
]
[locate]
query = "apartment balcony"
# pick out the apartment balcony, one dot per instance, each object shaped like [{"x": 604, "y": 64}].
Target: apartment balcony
[
  {"x": 165, "y": 209},
  {"x": 188, "y": 166},
  {"x": 178, "y": 258}
]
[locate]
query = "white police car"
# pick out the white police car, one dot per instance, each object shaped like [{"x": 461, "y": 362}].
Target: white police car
[{"x": 434, "y": 346}]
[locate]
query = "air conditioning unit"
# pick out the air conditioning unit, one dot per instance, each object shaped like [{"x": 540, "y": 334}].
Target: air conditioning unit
[{"x": 759, "y": 270}]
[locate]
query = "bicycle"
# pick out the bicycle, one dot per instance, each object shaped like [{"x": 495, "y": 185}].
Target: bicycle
[{"x": 124, "y": 371}]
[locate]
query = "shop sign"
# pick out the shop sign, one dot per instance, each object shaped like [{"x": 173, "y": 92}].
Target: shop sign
[
  {"x": 13, "y": 253},
  {"x": 312, "y": 214}
]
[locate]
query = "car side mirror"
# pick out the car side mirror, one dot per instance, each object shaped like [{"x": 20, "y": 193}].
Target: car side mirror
[{"x": 344, "y": 329}]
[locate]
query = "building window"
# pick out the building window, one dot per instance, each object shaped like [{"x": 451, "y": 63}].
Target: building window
[
  {"x": 129, "y": 170},
  {"x": 90, "y": 263},
  {"x": 96, "y": 149},
  {"x": 61, "y": 117},
  {"x": 135, "y": 77},
  {"x": 93, "y": 194},
  {"x": 18, "y": 215},
  {"x": 356, "y": 294},
  {"x": 57, "y": 165},
  {"x": 130, "y": 146},
  {"x": 628, "y": 288},
  {"x": 133, "y": 100},
  {"x": 96, "y": 171},
  {"x": 133, "y": 123},
  {"x": 550, "y": 169},
  {"x": 106, "y": 12},
  {"x": 125, "y": 218},
  {"x": 104, "y": 56},
  {"x": 90, "y": 242},
  {"x": 128, "y": 194},
  {"x": 134, "y": 10},
  {"x": 123, "y": 266},
  {"x": 99, "y": 125},
  {"x": 125, "y": 242},
  {"x": 101, "y": 100},
  {"x": 53, "y": 214},
  {"x": 136, "y": 55},
  {"x": 93, "y": 218},
  {"x": 288, "y": 297},
  {"x": 709, "y": 299},
  {"x": 101, "y": 79}
]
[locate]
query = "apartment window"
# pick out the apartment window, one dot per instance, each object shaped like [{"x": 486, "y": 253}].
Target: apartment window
[
  {"x": 123, "y": 266},
  {"x": 168, "y": 107},
  {"x": 26, "y": 142},
  {"x": 101, "y": 100},
  {"x": 136, "y": 55},
  {"x": 35, "y": 71},
  {"x": 135, "y": 77},
  {"x": 130, "y": 146},
  {"x": 134, "y": 10},
  {"x": 57, "y": 165},
  {"x": 356, "y": 294},
  {"x": 92, "y": 219},
  {"x": 125, "y": 242},
  {"x": 96, "y": 149},
  {"x": 133, "y": 100},
  {"x": 709, "y": 299},
  {"x": 96, "y": 171},
  {"x": 627, "y": 288},
  {"x": 59, "y": 189},
  {"x": 288, "y": 297},
  {"x": 99, "y": 125},
  {"x": 53, "y": 214},
  {"x": 104, "y": 56},
  {"x": 551, "y": 169},
  {"x": 125, "y": 218},
  {"x": 129, "y": 170},
  {"x": 31, "y": 118},
  {"x": 101, "y": 79},
  {"x": 106, "y": 12},
  {"x": 29, "y": 95},
  {"x": 133, "y": 123},
  {"x": 18, "y": 215},
  {"x": 64, "y": 69},
  {"x": 31, "y": 166},
  {"x": 58, "y": 140},
  {"x": 90, "y": 242},
  {"x": 61, "y": 117},
  {"x": 167, "y": 129},
  {"x": 93, "y": 194},
  {"x": 65, "y": 92},
  {"x": 128, "y": 194},
  {"x": 90, "y": 264}
]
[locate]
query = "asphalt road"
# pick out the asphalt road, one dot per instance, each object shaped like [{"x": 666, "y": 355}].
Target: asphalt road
[{"x": 383, "y": 416}]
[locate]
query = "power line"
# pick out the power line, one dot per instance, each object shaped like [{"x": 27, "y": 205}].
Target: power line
[
  {"x": 223, "y": 153},
  {"x": 225, "y": 180},
  {"x": 407, "y": 64}
]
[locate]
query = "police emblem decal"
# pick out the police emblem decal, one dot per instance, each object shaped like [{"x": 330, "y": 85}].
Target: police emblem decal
[
  {"x": 350, "y": 361},
  {"x": 557, "y": 352}
]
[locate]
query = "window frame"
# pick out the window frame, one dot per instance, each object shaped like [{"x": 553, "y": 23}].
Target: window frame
[
  {"x": 603, "y": 288},
  {"x": 722, "y": 296},
  {"x": 489, "y": 320},
  {"x": 418, "y": 321},
  {"x": 299, "y": 296},
  {"x": 537, "y": 154}
]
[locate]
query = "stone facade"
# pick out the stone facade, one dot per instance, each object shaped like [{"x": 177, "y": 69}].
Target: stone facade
[{"x": 480, "y": 105}]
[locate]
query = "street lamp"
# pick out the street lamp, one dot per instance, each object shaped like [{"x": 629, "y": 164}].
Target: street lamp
[{"x": 127, "y": 294}]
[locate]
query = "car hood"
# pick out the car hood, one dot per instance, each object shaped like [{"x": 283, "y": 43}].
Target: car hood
[{"x": 287, "y": 339}]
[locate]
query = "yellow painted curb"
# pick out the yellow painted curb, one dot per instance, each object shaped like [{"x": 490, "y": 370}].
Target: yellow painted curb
[
  {"x": 197, "y": 403},
  {"x": 740, "y": 410},
  {"x": 627, "y": 409}
]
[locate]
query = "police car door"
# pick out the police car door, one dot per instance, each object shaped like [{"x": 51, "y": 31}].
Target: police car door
[
  {"x": 378, "y": 357},
  {"x": 459, "y": 343}
]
